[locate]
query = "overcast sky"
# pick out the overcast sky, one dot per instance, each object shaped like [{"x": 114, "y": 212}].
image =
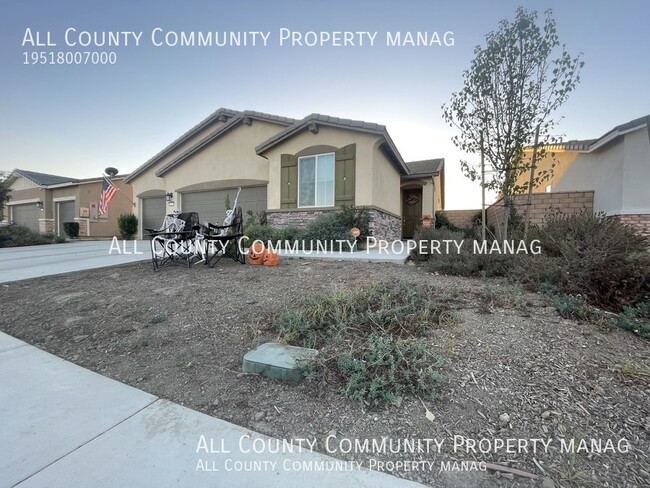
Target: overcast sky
[{"x": 77, "y": 120}]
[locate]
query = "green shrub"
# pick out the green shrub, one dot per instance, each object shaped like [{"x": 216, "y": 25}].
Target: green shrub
[
  {"x": 384, "y": 368},
  {"x": 370, "y": 339},
  {"x": 71, "y": 229},
  {"x": 17, "y": 235},
  {"x": 359, "y": 217},
  {"x": 423, "y": 237},
  {"x": 442, "y": 221},
  {"x": 128, "y": 225},
  {"x": 595, "y": 256},
  {"x": 636, "y": 319},
  {"x": 327, "y": 226}
]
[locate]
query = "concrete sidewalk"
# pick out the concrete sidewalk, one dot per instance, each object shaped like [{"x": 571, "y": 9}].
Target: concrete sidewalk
[{"x": 63, "y": 425}]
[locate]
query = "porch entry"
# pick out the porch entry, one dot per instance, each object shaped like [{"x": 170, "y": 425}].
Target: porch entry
[{"x": 411, "y": 211}]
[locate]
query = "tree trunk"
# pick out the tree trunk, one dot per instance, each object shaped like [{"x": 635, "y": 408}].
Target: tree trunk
[{"x": 533, "y": 166}]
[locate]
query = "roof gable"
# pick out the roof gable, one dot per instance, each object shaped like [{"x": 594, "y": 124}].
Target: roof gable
[
  {"x": 220, "y": 115},
  {"x": 242, "y": 118},
  {"x": 312, "y": 121},
  {"x": 229, "y": 118}
]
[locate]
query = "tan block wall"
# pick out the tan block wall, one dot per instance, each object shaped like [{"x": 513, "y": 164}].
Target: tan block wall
[
  {"x": 543, "y": 204},
  {"x": 460, "y": 218},
  {"x": 640, "y": 221}
]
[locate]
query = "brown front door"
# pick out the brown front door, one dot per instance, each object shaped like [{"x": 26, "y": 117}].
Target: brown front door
[{"x": 411, "y": 211}]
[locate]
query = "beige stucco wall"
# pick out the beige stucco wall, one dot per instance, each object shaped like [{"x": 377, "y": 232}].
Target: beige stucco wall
[
  {"x": 367, "y": 173},
  {"x": 437, "y": 180},
  {"x": 386, "y": 192},
  {"x": 600, "y": 170},
  {"x": 230, "y": 157},
  {"x": 147, "y": 180},
  {"x": 26, "y": 192},
  {"x": 228, "y": 161},
  {"x": 636, "y": 173}
]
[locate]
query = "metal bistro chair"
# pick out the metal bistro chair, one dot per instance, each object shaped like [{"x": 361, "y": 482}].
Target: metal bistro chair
[
  {"x": 175, "y": 241},
  {"x": 223, "y": 240}
]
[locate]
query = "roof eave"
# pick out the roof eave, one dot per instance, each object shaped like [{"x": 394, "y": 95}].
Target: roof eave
[{"x": 221, "y": 112}]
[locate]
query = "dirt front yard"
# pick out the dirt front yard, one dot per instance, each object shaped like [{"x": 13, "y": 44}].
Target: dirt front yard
[{"x": 566, "y": 401}]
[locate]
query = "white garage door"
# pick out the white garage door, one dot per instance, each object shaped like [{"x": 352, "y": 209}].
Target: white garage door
[
  {"x": 27, "y": 215},
  {"x": 211, "y": 205},
  {"x": 66, "y": 214},
  {"x": 153, "y": 213}
]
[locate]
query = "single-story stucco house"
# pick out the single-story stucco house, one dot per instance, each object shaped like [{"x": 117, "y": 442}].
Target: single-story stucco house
[
  {"x": 43, "y": 202},
  {"x": 291, "y": 169},
  {"x": 615, "y": 167}
]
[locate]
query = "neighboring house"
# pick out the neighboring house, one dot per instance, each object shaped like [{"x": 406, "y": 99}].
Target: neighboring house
[
  {"x": 291, "y": 169},
  {"x": 616, "y": 167},
  {"x": 43, "y": 202}
]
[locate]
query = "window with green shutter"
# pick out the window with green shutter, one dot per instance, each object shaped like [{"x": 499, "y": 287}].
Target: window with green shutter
[
  {"x": 288, "y": 181},
  {"x": 345, "y": 172},
  {"x": 318, "y": 180}
]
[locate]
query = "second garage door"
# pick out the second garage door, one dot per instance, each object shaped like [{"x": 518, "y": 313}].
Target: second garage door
[
  {"x": 66, "y": 214},
  {"x": 211, "y": 205}
]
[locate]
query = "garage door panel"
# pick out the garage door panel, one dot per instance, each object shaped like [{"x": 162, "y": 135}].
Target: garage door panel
[
  {"x": 211, "y": 205},
  {"x": 27, "y": 215},
  {"x": 153, "y": 213},
  {"x": 66, "y": 214}
]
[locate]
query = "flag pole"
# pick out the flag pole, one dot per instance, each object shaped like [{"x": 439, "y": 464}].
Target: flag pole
[{"x": 108, "y": 178}]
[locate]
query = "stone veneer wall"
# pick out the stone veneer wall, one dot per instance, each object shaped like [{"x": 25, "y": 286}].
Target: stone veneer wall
[
  {"x": 383, "y": 225},
  {"x": 640, "y": 221},
  {"x": 46, "y": 226}
]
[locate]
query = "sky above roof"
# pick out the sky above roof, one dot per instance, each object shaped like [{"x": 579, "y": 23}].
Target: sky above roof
[{"x": 78, "y": 119}]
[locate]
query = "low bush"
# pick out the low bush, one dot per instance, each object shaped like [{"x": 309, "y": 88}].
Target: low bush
[
  {"x": 443, "y": 222},
  {"x": 371, "y": 339},
  {"x": 128, "y": 225},
  {"x": 636, "y": 319},
  {"x": 71, "y": 229},
  {"x": 17, "y": 235},
  {"x": 595, "y": 256}
]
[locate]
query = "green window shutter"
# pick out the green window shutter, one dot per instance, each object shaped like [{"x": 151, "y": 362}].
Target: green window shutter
[
  {"x": 288, "y": 181},
  {"x": 344, "y": 177}
]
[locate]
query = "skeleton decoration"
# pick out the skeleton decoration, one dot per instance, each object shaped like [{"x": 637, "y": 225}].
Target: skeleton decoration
[
  {"x": 230, "y": 214},
  {"x": 172, "y": 223}
]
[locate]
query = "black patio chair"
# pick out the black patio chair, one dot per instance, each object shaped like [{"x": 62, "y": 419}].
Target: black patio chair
[
  {"x": 176, "y": 241},
  {"x": 224, "y": 240}
]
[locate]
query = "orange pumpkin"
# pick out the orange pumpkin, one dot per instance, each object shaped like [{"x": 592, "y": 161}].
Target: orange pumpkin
[
  {"x": 271, "y": 258},
  {"x": 256, "y": 253}
]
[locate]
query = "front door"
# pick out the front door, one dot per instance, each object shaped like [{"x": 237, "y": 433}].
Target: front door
[{"x": 411, "y": 211}]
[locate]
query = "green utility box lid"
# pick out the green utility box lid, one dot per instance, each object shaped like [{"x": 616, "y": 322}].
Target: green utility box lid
[{"x": 277, "y": 361}]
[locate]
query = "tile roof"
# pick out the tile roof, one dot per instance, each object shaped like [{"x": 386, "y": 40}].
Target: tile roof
[
  {"x": 425, "y": 166},
  {"x": 44, "y": 179}
]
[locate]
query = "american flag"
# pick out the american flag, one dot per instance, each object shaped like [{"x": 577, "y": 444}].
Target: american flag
[{"x": 108, "y": 192}]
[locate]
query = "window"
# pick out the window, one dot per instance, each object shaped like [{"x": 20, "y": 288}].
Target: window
[
  {"x": 548, "y": 188},
  {"x": 316, "y": 181}
]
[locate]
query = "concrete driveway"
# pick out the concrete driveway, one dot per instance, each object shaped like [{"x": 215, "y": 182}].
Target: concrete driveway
[{"x": 20, "y": 263}]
